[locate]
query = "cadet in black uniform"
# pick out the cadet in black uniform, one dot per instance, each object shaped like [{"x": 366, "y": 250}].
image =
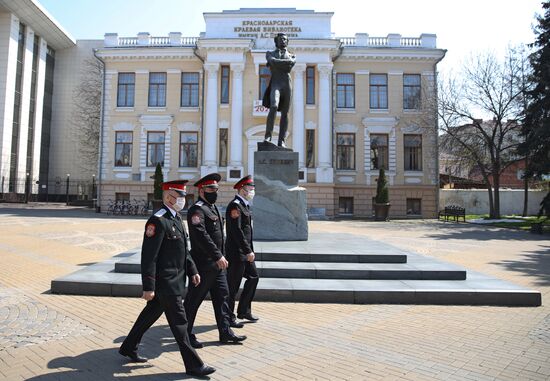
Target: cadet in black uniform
[
  {"x": 240, "y": 249},
  {"x": 206, "y": 234},
  {"x": 164, "y": 264}
]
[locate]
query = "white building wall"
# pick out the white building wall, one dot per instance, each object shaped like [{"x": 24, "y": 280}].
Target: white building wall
[
  {"x": 64, "y": 156},
  {"x": 476, "y": 201}
]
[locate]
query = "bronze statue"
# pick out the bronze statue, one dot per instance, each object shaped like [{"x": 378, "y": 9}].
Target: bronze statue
[{"x": 279, "y": 92}]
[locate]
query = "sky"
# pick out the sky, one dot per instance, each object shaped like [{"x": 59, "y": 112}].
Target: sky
[{"x": 464, "y": 28}]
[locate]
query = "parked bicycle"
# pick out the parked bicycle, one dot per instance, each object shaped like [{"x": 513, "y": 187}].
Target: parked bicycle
[{"x": 127, "y": 208}]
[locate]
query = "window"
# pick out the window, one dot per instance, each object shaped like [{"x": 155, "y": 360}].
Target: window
[
  {"x": 123, "y": 149},
  {"x": 414, "y": 207},
  {"x": 345, "y": 205},
  {"x": 379, "y": 151},
  {"x": 188, "y": 149},
  {"x": 411, "y": 91},
  {"x": 310, "y": 148},
  {"x": 189, "y": 89},
  {"x": 155, "y": 149},
  {"x": 157, "y": 90},
  {"x": 345, "y": 151},
  {"x": 126, "y": 88},
  {"x": 223, "y": 147},
  {"x": 265, "y": 76},
  {"x": 224, "y": 94},
  {"x": 310, "y": 85},
  {"x": 345, "y": 90},
  {"x": 413, "y": 152},
  {"x": 122, "y": 197},
  {"x": 378, "y": 91}
]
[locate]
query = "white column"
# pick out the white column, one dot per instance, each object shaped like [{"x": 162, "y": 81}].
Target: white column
[
  {"x": 8, "y": 67},
  {"x": 324, "y": 172},
  {"x": 25, "y": 110},
  {"x": 298, "y": 113},
  {"x": 236, "y": 128},
  {"x": 40, "y": 81},
  {"x": 210, "y": 133}
]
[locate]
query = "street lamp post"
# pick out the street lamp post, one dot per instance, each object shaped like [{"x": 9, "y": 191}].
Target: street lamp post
[
  {"x": 93, "y": 187},
  {"x": 27, "y": 188},
  {"x": 67, "y": 190},
  {"x": 94, "y": 198}
]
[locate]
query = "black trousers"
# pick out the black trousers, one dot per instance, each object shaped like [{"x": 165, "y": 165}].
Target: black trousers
[
  {"x": 237, "y": 270},
  {"x": 215, "y": 282},
  {"x": 172, "y": 306}
]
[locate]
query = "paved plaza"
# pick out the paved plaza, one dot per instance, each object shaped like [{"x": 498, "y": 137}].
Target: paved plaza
[{"x": 59, "y": 337}]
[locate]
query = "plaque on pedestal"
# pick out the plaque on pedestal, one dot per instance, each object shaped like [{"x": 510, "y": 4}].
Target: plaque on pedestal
[{"x": 280, "y": 205}]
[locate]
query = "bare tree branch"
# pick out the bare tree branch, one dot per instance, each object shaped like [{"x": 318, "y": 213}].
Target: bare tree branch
[
  {"x": 87, "y": 113},
  {"x": 487, "y": 87}
]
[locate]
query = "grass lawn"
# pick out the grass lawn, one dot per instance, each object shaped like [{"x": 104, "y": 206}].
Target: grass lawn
[{"x": 519, "y": 222}]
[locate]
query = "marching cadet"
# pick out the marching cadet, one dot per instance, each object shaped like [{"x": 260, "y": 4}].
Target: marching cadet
[
  {"x": 240, "y": 249},
  {"x": 207, "y": 250},
  {"x": 165, "y": 262}
]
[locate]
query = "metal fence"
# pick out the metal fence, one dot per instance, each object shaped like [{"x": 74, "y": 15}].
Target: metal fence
[{"x": 71, "y": 191}]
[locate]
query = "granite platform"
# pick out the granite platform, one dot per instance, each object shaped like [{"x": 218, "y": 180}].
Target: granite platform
[{"x": 328, "y": 268}]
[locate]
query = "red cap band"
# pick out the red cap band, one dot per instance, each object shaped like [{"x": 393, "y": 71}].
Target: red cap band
[
  {"x": 241, "y": 184},
  {"x": 207, "y": 182},
  {"x": 168, "y": 186}
]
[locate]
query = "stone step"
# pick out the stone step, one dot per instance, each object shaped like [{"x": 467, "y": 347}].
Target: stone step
[
  {"x": 101, "y": 280},
  {"x": 128, "y": 264},
  {"x": 327, "y": 270},
  {"x": 312, "y": 270}
]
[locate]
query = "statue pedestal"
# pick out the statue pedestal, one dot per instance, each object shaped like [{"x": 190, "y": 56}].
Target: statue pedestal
[{"x": 280, "y": 205}]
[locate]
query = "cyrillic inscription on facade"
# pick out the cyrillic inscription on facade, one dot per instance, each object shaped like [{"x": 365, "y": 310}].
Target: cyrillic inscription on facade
[{"x": 266, "y": 28}]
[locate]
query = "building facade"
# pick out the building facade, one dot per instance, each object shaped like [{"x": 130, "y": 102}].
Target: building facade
[
  {"x": 40, "y": 67},
  {"x": 29, "y": 40},
  {"x": 193, "y": 104}
]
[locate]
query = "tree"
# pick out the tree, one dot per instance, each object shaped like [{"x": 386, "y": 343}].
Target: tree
[
  {"x": 86, "y": 115},
  {"x": 157, "y": 185},
  {"x": 487, "y": 87},
  {"x": 536, "y": 118},
  {"x": 382, "y": 196}
]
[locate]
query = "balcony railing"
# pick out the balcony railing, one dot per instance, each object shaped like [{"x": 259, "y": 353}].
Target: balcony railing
[
  {"x": 144, "y": 39},
  {"x": 360, "y": 40},
  {"x": 391, "y": 41}
]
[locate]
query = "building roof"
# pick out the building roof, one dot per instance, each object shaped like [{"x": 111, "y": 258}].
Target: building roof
[{"x": 31, "y": 13}]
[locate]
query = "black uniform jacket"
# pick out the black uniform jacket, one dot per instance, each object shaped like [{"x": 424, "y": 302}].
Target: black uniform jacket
[
  {"x": 206, "y": 234},
  {"x": 165, "y": 260},
  {"x": 239, "y": 230}
]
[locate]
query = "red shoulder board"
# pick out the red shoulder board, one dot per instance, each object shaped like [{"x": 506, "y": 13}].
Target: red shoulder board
[
  {"x": 150, "y": 230},
  {"x": 196, "y": 219},
  {"x": 235, "y": 213}
]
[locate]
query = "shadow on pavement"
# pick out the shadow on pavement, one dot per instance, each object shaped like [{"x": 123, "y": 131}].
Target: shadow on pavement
[
  {"x": 108, "y": 364},
  {"x": 445, "y": 231},
  {"x": 534, "y": 264}
]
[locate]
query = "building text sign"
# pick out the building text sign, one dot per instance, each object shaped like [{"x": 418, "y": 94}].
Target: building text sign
[
  {"x": 264, "y": 24},
  {"x": 266, "y": 28}
]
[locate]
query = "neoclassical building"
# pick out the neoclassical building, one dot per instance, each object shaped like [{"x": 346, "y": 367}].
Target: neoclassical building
[{"x": 193, "y": 104}]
